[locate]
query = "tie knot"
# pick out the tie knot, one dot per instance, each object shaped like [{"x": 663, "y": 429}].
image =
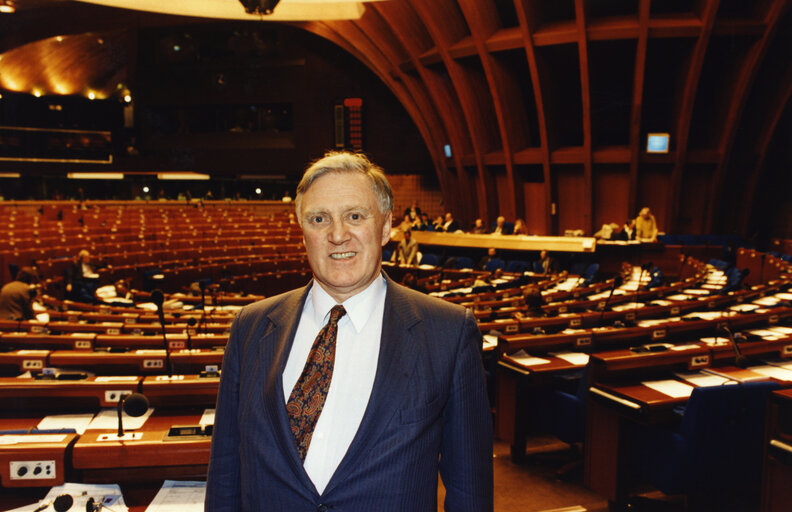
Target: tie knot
[{"x": 336, "y": 313}]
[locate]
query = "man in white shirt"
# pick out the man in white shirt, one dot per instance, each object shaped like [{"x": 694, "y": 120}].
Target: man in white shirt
[{"x": 394, "y": 376}]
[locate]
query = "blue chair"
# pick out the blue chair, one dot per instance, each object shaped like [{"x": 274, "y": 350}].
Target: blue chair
[
  {"x": 464, "y": 262},
  {"x": 494, "y": 264},
  {"x": 718, "y": 447},
  {"x": 517, "y": 266},
  {"x": 590, "y": 274},
  {"x": 430, "y": 259}
]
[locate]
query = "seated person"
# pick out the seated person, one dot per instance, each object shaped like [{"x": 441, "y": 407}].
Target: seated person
[
  {"x": 645, "y": 226},
  {"x": 519, "y": 228},
  {"x": 407, "y": 250},
  {"x": 499, "y": 226},
  {"x": 547, "y": 263},
  {"x": 533, "y": 302},
  {"x": 81, "y": 279},
  {"x": 478, "y": 227},
  {"x": 491, "y": 255},
  {"x": 450, "y": 225},
  {"x": 16, "y": 297}
]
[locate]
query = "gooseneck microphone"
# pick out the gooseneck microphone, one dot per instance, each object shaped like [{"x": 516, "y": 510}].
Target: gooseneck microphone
[
  {"x": 61, "y": 504},
  {"x": 202, "y": 286},
  {"x": 617, "y": 281},
  {"x": 740, "y": 361},
  {"x": 190, "y": 324},
  {"x": 157, "y": 297},
  {"x": 135, "y": 405}
]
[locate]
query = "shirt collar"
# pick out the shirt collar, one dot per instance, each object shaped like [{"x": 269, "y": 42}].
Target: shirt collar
[{"x": 359, "y": 307}]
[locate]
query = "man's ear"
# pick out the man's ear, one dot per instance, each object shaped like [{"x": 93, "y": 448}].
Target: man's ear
[{"x": 386, "y": 228}]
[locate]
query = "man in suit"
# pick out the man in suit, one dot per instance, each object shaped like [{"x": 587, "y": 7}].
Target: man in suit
[
  {"x": 405, "y": 397},
  {"x": 16, "y": 297}
]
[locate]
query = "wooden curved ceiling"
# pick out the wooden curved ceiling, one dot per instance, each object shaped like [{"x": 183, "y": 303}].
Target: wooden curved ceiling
[{"x": 546, "y": 105}]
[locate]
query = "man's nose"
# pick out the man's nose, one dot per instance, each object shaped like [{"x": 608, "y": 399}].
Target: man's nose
[{"x": 338, "y": 233}]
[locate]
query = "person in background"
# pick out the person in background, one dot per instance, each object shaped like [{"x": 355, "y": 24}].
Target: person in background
[
  {"x": 450, "y": 225},
  {"x": 437, "y": 224},
  {"x": 406, "y": 224},
  {"x": 548, "y": 263},
  {"x": 413, "y": 211},
  {"x": 499, "y": 222},
  {"x": 645, "y": 226},
  {"x": 421, "y": 223},
  {"x": 81, "y": 279},
  {"x": 478, "y": 227},
  {"x": 519, "y": 228},
  {"x": 16, "y": 297},
  {"x": 407, "y": 250},
  {"x": 491, "y": 255}
]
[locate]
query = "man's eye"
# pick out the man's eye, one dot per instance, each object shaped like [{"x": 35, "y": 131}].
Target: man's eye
[
  {"x": 355, "y": 216},
  {"x": 318, "y": 219}
]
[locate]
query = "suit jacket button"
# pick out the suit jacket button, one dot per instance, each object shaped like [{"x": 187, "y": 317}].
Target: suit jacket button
[{"x": 321, "y": 508}]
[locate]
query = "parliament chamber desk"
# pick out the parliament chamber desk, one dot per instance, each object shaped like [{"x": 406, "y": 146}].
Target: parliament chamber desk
[
  {"x": 776, "y": 488},
  {"x": 620, "y": 399},
  {"x": 507, "y": 242}
]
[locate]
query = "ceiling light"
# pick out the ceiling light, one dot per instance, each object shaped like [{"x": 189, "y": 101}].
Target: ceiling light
[
  {"x": 95, "y": 175},
  {"x": 7, "y": 6},
  {"x": 182, "y": 176}
]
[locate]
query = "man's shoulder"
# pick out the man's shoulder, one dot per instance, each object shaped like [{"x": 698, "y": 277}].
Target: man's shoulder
[
  {"x": 426, "y": 305},
  {"x": 264, "y": 307}
]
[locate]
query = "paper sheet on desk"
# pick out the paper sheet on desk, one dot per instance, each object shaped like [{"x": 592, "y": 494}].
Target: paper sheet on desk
[
  {"x": 767, "y": 301},
  {"x": 628, "y": 306},
  {"x": 780, "y": 329},
  {"x": 79, "y": 422},
  {"x": 577, "y": 358},
  {"x": 670, "y": 387},
  {"x": 490, "y": 341},
  {"x": 179, "y": 497},
  {"x": 784, "y": 296},
  {"x": 774, "y": 372},
  {"x": 527, "y": 359},
  {"x": 81, "y": 493},
  {"x": 703, "y": 380},
  {"x": 207, "y": 418},
  {"x": 107, "y": 419}
]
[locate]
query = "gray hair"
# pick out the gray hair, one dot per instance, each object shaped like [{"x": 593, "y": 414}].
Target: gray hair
[{"x": 344, "y": 161}]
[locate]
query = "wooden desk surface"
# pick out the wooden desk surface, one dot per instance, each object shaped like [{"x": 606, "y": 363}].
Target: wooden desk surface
[{"x": 510, "y": 242}]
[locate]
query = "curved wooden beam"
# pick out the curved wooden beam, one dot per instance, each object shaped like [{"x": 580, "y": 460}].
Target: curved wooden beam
[
  {"x": 525, "y": 16},
  {"x": 482, "y": 20},
  {"x": 585, "y": 89},
  {"x": 745, "y": 77},
  {"x": 459, "y": 188},
  {"x": 764, "y": 140},
  {"x": 686, "y": 111},
  {"x": 637, "y": 104},
  {"x": 468, "y": 99}
]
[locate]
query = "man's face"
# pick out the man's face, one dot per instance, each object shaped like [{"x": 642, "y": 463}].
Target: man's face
[
  {"x": 500, "y": 221},
  {"x": 448, "y": 217},
  {"x": 343, "y": 232}
]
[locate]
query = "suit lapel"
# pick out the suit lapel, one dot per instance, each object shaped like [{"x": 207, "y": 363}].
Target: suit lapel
[
  {"x": 393, "y": 371},
  {"x": 274, "y": 351}
]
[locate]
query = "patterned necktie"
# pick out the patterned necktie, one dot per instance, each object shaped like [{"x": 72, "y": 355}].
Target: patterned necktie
[{"x": 308, "y": 396}]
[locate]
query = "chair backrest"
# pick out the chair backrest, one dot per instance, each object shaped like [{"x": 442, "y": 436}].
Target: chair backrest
[
  {"x": 493, "y": 264},
  {"x": 430, "y": 259},
  {"x": 723, "y": 430},
  {"x": 464, "y": 262}
]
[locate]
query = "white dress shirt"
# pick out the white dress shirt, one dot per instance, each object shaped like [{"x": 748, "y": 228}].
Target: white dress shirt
[{"x": 357, "y": 351}]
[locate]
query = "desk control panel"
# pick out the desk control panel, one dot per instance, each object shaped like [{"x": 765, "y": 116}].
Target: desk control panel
[{"x": 32, "y": 469}]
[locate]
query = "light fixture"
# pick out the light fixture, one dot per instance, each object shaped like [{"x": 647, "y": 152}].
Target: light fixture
[
  {"x": 7, "y": 6},
  {"x": 146, "y": 190},
  {"x": 258, "y": 191},
  {"x": 37, "y": 93},
  {"x": 95, "y": 175},
  {"x": 91, "y": 95},
  {"x": 182, "y": 176},
  {"x": 127, "y": 98}
]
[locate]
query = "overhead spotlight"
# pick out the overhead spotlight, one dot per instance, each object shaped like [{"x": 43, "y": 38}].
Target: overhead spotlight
[
  {"x": 259, "y": 6},
  {"x": 127, "y": 98},
  {"x": 258, "y": 191},
  {"x": 8, "y": 6}
]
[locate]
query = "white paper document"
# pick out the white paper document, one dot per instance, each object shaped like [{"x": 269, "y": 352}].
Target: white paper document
[
  {"x": 774, "y": 372},
  {"x": 526, "y": 359},
  {"x": 179, "y": 497},
  {"x": 490, "y": 341},
  {"x": 31, "y": 438},
  {"x": 577, "y": 358},
  {"x": 107, "y": 419},
  {"x": 79, "y": 422},
  {"x": 703, "y": 380},
  {"x": 208, "y": 417},
  {"x": 670, "y": 387}
]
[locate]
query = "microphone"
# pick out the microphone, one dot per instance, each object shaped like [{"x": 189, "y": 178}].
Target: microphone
[
  {"x": 157, "y": 297},
  {"x": 740, "y": 361},
  {"x": 617, "y": 281},
  {"x": 135, "y": 405},
  {"x": 190, "y": 323},
  {"x": 202, "y": 286},
  {"x": 61, "y": 504}
]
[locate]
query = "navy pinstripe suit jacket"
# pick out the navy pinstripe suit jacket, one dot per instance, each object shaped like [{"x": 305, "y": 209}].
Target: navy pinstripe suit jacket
[{"x": 428, "y": 410}]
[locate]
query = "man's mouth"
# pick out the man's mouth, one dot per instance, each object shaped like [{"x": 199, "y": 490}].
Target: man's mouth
[{"x": 342, "y": 255}]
